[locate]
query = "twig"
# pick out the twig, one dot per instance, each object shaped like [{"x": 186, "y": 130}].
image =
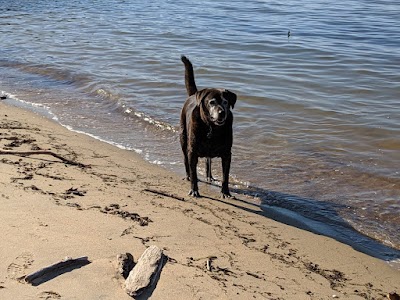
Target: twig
[
  {"x": 67, "y": 262},
  {"x": 7, "y": 126},
  {"x": 43, "y": 152},
  {"x": 165, "y": 194},
  {"x": 209, "y": 264},
  {"x": 212, "y": 257}
]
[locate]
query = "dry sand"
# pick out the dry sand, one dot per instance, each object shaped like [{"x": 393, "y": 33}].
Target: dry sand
[{"x": 52, "y": 209}]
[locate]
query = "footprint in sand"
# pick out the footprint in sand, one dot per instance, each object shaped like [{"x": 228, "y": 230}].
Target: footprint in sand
[
  {"x": 49, "y": 295},
  {"x": 17, "y": 268}
]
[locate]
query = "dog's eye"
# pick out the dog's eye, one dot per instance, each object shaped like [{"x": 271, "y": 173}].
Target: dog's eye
[
  {"x": 224, "y": 102},
  {"x": 213, "y": 102}
]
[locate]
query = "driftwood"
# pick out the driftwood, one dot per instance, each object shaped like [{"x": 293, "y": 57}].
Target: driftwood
[
  {"x": 57, "y": 268},
  {"x": 164, "y": 194},
  {"x": 146, "y": 271},
  {"x": 42, "y": 152}
]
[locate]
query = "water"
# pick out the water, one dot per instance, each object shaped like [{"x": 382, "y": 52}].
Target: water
[{"x": 317, "y": 122}]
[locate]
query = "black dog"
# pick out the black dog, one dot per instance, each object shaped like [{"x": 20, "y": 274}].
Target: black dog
[{"x": 206, "y": 129}]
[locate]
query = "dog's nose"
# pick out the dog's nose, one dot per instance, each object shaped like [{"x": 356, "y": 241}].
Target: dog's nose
[{"x": 221, "y": 115}]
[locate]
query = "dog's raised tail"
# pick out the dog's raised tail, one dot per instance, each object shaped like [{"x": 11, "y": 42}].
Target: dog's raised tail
[{"x": 190, "y": 84}]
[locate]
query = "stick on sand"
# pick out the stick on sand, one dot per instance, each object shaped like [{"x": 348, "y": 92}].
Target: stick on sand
[
  {"x": 43, "y": 152},
  {"x": 68, "y": 262}
]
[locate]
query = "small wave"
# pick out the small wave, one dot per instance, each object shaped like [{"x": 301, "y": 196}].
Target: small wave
[
  {"x": 116, "y": 102},
  {"x": 49, "y": 71},
  {"x": 87, "y": 85},
  {"x": 150, "y": 120},
  {"x": 43, "y": 109},
  {"x": 104, "y": 93}
]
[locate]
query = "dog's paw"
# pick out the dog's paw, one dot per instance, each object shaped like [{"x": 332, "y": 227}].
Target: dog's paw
[
  {"x": 195, "y": 194},
  {"x": 210, "y": 179},
  {"x": 226, "y": 194}
]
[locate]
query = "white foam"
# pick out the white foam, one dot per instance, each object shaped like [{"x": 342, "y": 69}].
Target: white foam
[
  {"x": 54, "y": 117},
  {"x": 152, "y": 121},
  {"x": 37, "y": 106},
  {"x": 395, "y": 263}
]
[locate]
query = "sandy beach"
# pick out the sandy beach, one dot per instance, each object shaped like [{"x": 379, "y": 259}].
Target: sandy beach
[{"x": 102, "y": 201}]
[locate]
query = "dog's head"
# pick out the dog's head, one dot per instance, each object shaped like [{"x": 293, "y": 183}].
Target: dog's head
[{"x": 215, "y": 104}]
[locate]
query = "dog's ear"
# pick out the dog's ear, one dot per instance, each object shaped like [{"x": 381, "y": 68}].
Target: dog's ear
[
  {"x": 231, "y": 97},
  {"x": 201, "y": 95}
]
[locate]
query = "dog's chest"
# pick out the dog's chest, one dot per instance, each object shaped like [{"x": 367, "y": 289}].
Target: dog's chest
[{"x": 213, "y": 143}]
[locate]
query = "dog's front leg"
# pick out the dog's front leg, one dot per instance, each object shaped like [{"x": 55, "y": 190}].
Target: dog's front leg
[
  {"x": 226, "y": 165},
  {"x": 187, "y": 168},
  {"x": 184, "y": 146},
  {"x": 210, "y": 178},
  {"x": 193, "y": 160}
]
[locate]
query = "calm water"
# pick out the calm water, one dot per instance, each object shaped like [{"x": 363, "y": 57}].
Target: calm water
[{"x": 317, "y": 122}]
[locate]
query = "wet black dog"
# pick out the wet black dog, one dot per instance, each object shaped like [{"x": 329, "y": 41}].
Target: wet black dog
[{"x": 206, "y": 129}]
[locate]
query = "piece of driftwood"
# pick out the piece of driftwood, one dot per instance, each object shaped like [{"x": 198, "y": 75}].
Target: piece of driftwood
[
  {"x": 164, "y": 194},
  {"x": 42, "y": 152},
  {"x": 56, "y": 268},
  {"x": 146, "y": 271},
  {"x": 125, "y": 264}
]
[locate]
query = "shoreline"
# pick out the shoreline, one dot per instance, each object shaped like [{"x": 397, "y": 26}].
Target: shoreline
[
  {"x": 51, "y": 210},
  {"x": 310, "y": 191},
  {"x": 340, "y": 230}
]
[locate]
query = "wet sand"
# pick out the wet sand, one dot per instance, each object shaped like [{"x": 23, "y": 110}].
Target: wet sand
[{"x": 101, "y": 201}]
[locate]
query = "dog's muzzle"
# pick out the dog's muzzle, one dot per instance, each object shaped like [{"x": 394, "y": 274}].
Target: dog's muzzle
[{"x": 218, "y": 116}]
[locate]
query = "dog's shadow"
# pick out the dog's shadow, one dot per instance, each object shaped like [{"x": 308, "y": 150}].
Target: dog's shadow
[{"x": 319, "y": 217}]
